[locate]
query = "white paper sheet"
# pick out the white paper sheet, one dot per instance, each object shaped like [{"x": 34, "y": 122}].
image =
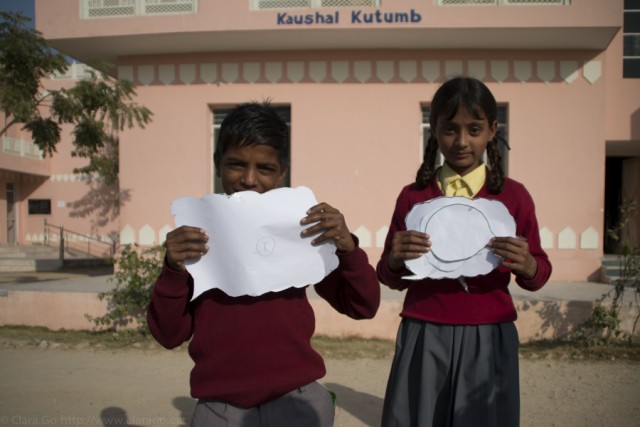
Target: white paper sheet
[
  {"x": 255, "y": 245},
  {"x": 459, "y": 230}
]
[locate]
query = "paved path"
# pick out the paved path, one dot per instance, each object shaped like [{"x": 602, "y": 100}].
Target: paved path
[{"x": 92, "y": 387}]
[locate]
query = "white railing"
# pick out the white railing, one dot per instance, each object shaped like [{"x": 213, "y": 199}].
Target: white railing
[
  {"x": 75, "y": 243},
  {"x": 121, "y": 8},
  {"x": 503, "y": 2},
  {"x": 76, "y": 71},
  {"x": 310, "y": 4},
  {"x": 90, "y": 9},
  {"x": 20, "y": 147}
]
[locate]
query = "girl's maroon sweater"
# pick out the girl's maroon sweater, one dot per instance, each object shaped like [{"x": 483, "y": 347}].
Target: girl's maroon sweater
[{"x": 444, "y": 301}]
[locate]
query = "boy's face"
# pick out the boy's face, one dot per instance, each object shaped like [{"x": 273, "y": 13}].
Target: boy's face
[{"x": 254, "y": 168}]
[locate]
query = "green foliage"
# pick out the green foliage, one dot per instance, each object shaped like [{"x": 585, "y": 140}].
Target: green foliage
[
  {"x": 98, "y": 107},
  {"x": 25, "y": 59},
  {"x": 136, "y": 270},
  {"x": 604, "y": 324}
]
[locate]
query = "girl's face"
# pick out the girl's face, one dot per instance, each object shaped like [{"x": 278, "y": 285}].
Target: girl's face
[{"x": 463, "y": 139}]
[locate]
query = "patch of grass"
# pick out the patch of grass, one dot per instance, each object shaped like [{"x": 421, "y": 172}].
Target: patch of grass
[
  {"x": 103, "y": 339},
  {"x": 352, "y": 347},
  {"x": 619, "y": 350},
  {"x": 329, "y": 347}
]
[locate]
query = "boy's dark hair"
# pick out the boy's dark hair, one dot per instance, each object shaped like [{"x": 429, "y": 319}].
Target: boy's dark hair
[
  {"x": 478, "y": 100},
  {"x": 250, "y": 124}
]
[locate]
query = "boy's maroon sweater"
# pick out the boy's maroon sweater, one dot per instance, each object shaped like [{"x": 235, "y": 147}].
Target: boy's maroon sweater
[
  {"x": 250, "y": 350},
  {"x": 445, "y": 301}
]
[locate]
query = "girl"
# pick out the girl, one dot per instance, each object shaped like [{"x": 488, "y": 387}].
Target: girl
[{"x": 456, "y": 359}]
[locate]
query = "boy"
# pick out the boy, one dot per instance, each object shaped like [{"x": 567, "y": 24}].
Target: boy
[{"x": 254, "y": 364}]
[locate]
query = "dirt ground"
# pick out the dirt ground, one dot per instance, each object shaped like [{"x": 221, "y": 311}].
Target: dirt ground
[{"x": 138, "y": 387}]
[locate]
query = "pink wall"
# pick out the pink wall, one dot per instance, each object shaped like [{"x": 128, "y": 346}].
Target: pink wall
[
  {"x": 622, "y": 109},
  {"x": 356, "y": 119},
  {"x": 68, "y": 310},
  {"x": 221, "y": 15},
  {"x": 356, "y": 144}
]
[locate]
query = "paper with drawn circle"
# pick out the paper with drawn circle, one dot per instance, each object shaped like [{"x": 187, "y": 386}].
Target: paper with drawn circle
[
  {"x": 255, "y": 245},
  {"x": 459, "y": 231},
  {"x": 474, "y": 231}
]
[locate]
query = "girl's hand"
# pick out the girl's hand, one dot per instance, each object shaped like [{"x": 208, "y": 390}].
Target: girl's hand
[
  {"x": 185, "y": 243},
  {"x": 515, "y": 255},
  {"x": 407, "y": 245},
  {"x": 330, "y": 225}
]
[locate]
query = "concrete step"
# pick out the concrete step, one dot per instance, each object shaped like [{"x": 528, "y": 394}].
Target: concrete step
[
  {"x": 9, "y": 249},
  {"x": 44, "y": 258},
  {"x": 28, "y": 264},
  {"x": 28, "y": 250},
  {"x": 612, "y": 268}
]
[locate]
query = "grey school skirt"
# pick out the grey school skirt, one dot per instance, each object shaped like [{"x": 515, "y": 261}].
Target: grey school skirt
[{"x": 453, "y": 376}]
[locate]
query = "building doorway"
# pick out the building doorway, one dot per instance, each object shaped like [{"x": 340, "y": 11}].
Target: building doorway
[{"x": 622, "y": 190}]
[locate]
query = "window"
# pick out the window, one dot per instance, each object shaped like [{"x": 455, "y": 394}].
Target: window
[
  {"x": 39, "y": 206},
  {"x": 218, "y": 116},
  {"x": 502, "y": 135},
  {"x": 631, "y": 29}
]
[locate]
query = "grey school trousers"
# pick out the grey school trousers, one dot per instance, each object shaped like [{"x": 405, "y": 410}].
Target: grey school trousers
[{"x": 308, "y": 406}]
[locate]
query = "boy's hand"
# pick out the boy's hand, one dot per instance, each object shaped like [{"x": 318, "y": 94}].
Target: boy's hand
[
  {"x": 407, "y": 245},
  {"x": 185, "y": 243},
  {"x": 515, "y": 255},
  {"x": 330, "y": 225}
]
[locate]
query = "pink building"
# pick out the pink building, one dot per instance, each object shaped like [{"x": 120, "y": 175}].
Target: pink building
[{"x": 355, "y": 77}]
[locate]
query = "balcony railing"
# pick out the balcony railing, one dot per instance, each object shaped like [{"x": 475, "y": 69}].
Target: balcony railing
[
  {"x": 502, "y": 2},
  {"x": 310, "y": 4},
  {"x": 316, "y": 4},
  {"x": 122, "y": 8},
  {"x": 20, "y": 147},
  {"x": 76, "y": 71}
]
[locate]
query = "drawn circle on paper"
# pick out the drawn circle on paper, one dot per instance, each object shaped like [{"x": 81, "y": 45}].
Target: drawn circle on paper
[
  {"x": 458, "y": 232},
  {"x": 265, "y": 245}
]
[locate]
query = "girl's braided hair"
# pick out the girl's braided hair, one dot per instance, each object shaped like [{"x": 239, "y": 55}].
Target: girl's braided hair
[{"x": 478, "y": 100}]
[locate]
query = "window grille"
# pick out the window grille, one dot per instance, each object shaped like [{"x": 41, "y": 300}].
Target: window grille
[
  {"x": 219, "y": 115},
  {"x": 560, "y": 2},
  {"x": 173, "y": 7},
  {"x": 108, "y": 8},
  {"x": 349, "y": 3},
  {"x": 124, "y": 8},
  {"x": 502, "y": 134},
  {"x": 281, "y": 4},
  {"x": 502, "y": 2},
  {"x": 632, "y": 45},
  {"x": 467, "y": 2},
  {"x": 307, "y": 4},
  {"x": 631, "y": 40}
]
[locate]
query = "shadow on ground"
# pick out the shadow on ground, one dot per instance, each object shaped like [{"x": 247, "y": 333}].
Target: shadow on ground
[
  {"x": 364, "y": 406},
  {"x": 46, "y": 276},
  {"x": 116, "y": 416}
]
